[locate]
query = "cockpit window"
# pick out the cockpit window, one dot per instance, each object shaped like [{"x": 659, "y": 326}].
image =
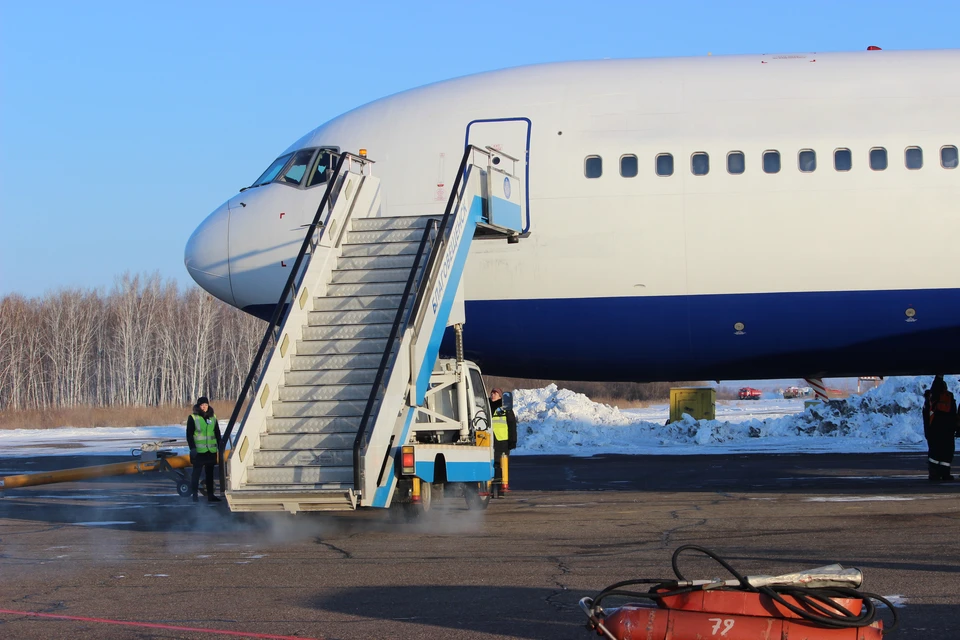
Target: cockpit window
[
  {"x": 295, "y": 170},
  {"x": 322, "y": 169},
  {"x": 272, "y": 171}
]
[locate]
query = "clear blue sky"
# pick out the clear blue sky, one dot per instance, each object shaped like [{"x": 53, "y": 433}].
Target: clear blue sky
[{"x": 123, "y": 124}]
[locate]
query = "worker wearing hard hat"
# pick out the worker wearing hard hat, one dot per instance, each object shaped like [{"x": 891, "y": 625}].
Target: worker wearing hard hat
[
  {"x": 203, "y": 437},
  {"x": 504, "y": 424}
]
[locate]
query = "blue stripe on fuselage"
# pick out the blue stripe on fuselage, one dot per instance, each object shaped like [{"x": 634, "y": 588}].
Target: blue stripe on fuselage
[
  {"x": 843, "y": 333},
  {"x": 694, "y": 338}
]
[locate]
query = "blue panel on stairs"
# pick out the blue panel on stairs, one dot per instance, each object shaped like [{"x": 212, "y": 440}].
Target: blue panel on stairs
[{"x": 444, "y": 302}]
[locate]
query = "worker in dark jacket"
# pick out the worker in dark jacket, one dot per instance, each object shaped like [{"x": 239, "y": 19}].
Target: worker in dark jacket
[
  {"x": 203, "y": 437},
  {"x": 504, "y": 424},
  {"x": 939, "y": 428}
]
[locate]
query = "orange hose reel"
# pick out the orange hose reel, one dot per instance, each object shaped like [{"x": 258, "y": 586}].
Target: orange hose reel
[{"x": 816, "y": 604}]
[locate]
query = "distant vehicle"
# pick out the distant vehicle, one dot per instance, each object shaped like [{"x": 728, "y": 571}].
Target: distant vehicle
[
  {"x": 749, "y": 393},
  {"x": 797, "y": 392}
]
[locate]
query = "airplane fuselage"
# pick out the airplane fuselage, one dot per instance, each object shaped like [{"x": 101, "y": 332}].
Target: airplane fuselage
[{"x": 697, "y": 218}]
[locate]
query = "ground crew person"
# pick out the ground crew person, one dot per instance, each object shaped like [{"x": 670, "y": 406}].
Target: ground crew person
[
  {"x": 203, "y": 437},
  {"x": 940, "y": 429},
  {"x": 504, "y": 425}
]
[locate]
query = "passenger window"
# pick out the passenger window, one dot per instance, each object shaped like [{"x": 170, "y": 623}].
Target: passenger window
[
  {"x": 665, "y": 164},
  {"x": 913, "y": 157},
  {"x": 593, "y": 167},
  {"x": 948, "y": 157},
  {"x": 628, "y": 166},
  {"x": 298, "y": 167},
  {"x": 736, "y": 163},
  {"x": 322, "y": 169},
  {"x": 807, "y": 160},
  {"x": 771, "y": 162},
  {"x": 878, "y": 158},
  {"x": 700, "y": 163},
  {"x": 842, "y": 160}
]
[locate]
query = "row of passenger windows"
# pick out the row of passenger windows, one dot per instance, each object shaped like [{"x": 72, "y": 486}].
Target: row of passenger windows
[{"x": 770, "y": 161}]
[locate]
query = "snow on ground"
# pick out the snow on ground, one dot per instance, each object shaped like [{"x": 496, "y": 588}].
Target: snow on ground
[
  {"x": 72, "y": 441},
  {"x": 887, "y": 418},
  {"x": 559, "y": 421}
]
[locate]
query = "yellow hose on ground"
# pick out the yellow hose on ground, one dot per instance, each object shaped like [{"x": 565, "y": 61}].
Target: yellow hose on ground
[{"x": 99, "y": 471}]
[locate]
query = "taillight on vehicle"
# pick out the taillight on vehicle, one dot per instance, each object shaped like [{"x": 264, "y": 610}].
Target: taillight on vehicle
[{"x": 407, "y": 464}]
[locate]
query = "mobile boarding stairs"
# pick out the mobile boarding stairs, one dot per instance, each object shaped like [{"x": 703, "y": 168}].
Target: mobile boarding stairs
[{"x": 342, "y": 379}]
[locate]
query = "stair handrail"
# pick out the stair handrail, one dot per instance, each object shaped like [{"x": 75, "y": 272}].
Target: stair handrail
[
  {"x": 455, "y": 197},
  {"x": 419, "y": 310},
  {"x": 293, "y": 283},
  {"x": 395, "y": 331}
]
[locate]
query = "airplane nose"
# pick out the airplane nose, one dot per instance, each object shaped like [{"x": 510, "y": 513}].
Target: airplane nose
[{"x": 207, "y": 256}]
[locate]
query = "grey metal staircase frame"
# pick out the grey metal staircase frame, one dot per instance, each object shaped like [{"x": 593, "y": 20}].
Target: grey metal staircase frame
[
  {"x": 379, "y": 384},
  {"x": 313, "y": 236}
]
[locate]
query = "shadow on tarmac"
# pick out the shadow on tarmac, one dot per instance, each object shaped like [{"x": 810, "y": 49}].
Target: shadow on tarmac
[
  {"x": 541, "y": 613},
  {"x": 517, "y": 612}
]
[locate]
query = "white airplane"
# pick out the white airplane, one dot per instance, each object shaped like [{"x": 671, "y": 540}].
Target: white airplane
[{"x": 754, "y": 216}]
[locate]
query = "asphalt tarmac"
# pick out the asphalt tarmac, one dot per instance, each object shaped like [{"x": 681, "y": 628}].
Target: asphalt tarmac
[{"x": 128, "y": 558}]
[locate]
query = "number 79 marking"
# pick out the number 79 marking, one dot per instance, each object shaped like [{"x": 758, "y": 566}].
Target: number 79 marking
[{"x": 726, "y": 623}]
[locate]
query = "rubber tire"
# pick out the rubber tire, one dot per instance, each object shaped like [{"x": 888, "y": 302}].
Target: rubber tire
[
  {"x": 416, "y": 510},
  {"x": 183, "y": 488},
  {"x": 475, "y": 502}
]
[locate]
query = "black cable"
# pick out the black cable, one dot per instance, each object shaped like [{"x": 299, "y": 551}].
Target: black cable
[{"x": 817, "y": 606}]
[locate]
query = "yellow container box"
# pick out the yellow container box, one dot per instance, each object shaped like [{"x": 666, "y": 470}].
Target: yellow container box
[{"x": 699, "y": 402}]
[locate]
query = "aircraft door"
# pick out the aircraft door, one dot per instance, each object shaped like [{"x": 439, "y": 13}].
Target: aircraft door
[{"x": 509, "y": 198}]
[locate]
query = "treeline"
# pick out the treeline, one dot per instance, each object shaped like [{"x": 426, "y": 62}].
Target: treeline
[{"x": 145, "y": 342}]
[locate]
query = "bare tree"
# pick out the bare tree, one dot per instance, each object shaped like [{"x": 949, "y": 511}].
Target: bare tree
[{"x": 143, "y": 343}]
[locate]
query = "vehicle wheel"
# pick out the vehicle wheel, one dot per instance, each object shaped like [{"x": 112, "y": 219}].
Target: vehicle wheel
[
  {"x": 475, "y": 501},
  {"x": 416, "y": 510},
  {"x": 183, "y": 488}
]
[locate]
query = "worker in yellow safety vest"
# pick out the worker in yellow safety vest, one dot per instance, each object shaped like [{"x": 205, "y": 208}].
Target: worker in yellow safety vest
[
  {"x": 504, "y": 425},
  {"x": 203, "y": 437}
]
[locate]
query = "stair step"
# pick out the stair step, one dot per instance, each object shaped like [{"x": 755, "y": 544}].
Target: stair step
[
  {"x": 305, "y": 458},
  {"x": 351, "y": 316},
  {"x": 330, "y": 376},
  {"x": 331, "y": 347},
  {"x": 377, "y": 262},
  {"x": 318, "y": 425},
  {"x": 290, "y": 489},
  {"x": 290, "y": 441},
  {"x": 358, "y": 303},
  {"x": 353, "y": 276},
  {"x": 365, "y": 289},
  {"x": 326, "y": 392},
  {"x": 399, "y": 222},
  {"x": 347, "y": 331},
  {"x": 338, "y": 361},
  {"x": 319, "y": 408},
  {"x": 298, "y": 475},
  {"x": 387, "y": 249},
  {"x": 383, "y": 237},
  {"x": 292, "y": 498}
]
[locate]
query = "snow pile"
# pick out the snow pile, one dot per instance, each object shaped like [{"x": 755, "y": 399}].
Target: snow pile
[{"x": 559, "y": 421}]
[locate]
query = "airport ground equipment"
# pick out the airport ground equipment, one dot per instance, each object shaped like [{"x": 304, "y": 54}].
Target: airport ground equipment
[
  {"x": 346, "y": 388},
  {"x": 700, "y": 403},
  {"x": 749, "y": 393},
  {"x": 818, "y": 604},
  {"x": 153, "y": 457}
]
